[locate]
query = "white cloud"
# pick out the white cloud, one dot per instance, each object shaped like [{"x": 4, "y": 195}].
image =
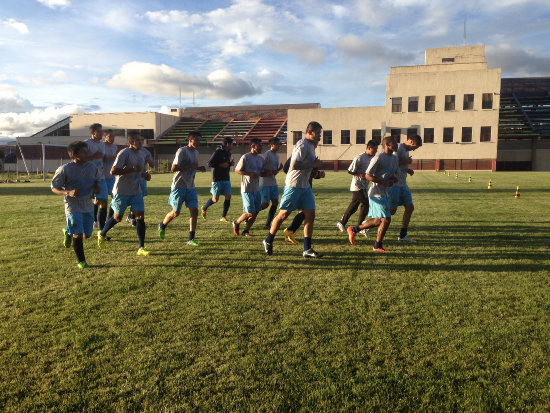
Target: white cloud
[
  {"x": 12, "y": 24},
  {"x": 27, "y": 123},
  {"x": 12, "y": 101},
  {"x": 52, "y": 4},
  {"x": 306, "y": 52},
  {"x": 519, "y": 62},
  {"x": 57, "y": 77},
  {"x": 163, "y": 80},
  {"x": 355, "y": 47}
]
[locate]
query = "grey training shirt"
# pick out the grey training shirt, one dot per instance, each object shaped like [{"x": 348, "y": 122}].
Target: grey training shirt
[
  {"x": 108, "y": 150},
  {"x": 301, "y": 161},
  {"x": 402, "y": 154},
  {"x": 93, "y": 148},
  {"x": 382, "y": 167},
  {"x": 359, "y": 165},
  {"x": 82, "y": 177},
  {"x": 250, "y": 163},
  {"x": 128, "y": 184},
  {"x": 185, "y": 179},
  {"x": 271, "y": 163}
]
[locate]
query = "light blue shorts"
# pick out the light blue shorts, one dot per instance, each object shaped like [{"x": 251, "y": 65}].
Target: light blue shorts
[
  {"x": 104, "y": 194},
  {"x": 379, "y": 207},
  {"x": 180, "y": 195},
  {"x": 121, "y": 202},
  {"x": 80, "y": 223},
  {"x": 143, "y": 185},
  {"x": 221, "y": 188},
  {"x": 252, "y": 202},
  {"x": 399, "y": 195},
  {"x": 110, "y": 184},
  {"x": 297, "y": 199},
  {"x": 269, "y": 193}
]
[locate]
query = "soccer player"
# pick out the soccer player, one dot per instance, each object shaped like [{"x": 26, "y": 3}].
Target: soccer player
[
  {"x": 95, "y": 154},
  {"x": 76, "y": 181},
  {"x": 220, "y": 162},
  {"x": 268, "y": 182},
  {"x": 399, "y": 194},
  {"x": 297, "y": 192},
  {"x": 250, "y": 167},
  {"x": 109, "y": 155},
  {"x": 184, "y": 166},
  {"x": 381, "y": 172},
  {"x": 359, "y": 185},
  {"x": 127, "y": 191},
  {"x": 146, "y": 160}
]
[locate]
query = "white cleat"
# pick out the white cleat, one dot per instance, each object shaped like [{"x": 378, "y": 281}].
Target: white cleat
[
  {"x": 365, "y": 232},
  {"x": 340, "y": 226}
]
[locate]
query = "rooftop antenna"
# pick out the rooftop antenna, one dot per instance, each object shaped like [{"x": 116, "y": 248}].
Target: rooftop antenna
[{"x": 464, "y": 30}]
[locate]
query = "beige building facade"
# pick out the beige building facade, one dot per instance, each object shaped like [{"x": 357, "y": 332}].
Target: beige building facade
[{"x": 452, "y": 102}]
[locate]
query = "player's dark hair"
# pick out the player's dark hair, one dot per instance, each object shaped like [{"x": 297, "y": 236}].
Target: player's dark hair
[
  {"x": 388, "y": 139},
  {"x": 416, "y": 139},
  {"x": 313, "y": 126},
  {"x": 95, "y": 127},
  {"x": 274, "y": 140},
  {"x": 255, "y": 141},
  {"x": 372, "y": 144},
  {"x": 194, "y": 134},
  {"x": 227, "y": 140},
  {"x": 75, "y": 147},
  {"x": 133, "y": 135}
]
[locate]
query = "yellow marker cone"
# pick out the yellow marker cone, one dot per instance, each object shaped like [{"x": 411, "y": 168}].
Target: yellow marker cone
[
  {"x": 490, "y": 184},
  {"x": 456, "y": 176},
  {"x": 517, "y": 193},
  {"x": 470, "y": 179}
]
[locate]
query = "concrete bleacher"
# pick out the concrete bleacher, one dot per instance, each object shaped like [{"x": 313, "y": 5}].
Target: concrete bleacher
[
  {"x": 179, "y": 132},
  {"x": 265, "y": 129},
  {"x": 238, "y": 130},
  {"x": 210, "y": 129},
  {"x": 524, "y": 117}
]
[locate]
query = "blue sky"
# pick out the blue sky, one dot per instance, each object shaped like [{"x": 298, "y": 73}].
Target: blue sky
[{"x": 59, "y": 57}]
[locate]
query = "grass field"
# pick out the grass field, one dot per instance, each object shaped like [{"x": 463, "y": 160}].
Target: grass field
[{"x": 459, "y": 321}]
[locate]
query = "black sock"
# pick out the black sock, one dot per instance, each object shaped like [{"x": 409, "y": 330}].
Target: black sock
[
  {"x": 162, "y": 225},
  {"x": 78, "y": 247},
  {"x": 140, "y": 229},
  {"x": 208, "y": 203},
  {"x": 307, "y": 243},
  {"x": 101, "y": 217},
  {"x": 378, "y": 244},
  {"x": 96, "y": 206},
  {"x": 131, "y": 215},
  {"x": 356, "y": 229},
  {"x": 111, "y": 212},
  {"x": 226, "y": 204},
  {"x": 270, "y": 237},
  {"x": 191, "y": 235},
  {"x": 271, "y": 214},
  {"x": 403, "y": 233},
  {"x": 296, "y": 222},
  {"x": 108, "y": 225}
]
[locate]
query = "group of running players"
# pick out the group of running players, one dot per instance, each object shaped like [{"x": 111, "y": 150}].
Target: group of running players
[{"x": 97, "y": 171}]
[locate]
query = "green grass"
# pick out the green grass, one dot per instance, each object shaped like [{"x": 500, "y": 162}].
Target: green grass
[{"x": 458, "y": 321}]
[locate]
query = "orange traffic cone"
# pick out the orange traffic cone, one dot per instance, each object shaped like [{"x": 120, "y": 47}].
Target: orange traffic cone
[{"x": 517, "y": 193}]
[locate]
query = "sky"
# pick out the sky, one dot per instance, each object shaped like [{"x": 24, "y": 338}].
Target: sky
[{"x": 59, "y": 57}]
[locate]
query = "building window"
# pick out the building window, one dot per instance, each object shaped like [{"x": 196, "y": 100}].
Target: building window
[
  {"x": 146, "y": 133},
  {"x": 396, "y": 135},
  {"x": 360, "y": 136},
  {"x": 467, "y": 134},
  {"x": 485, "y": 135},
  {"x": 413, "y": 104},
  {"x": 448, "y": 60},
  {"x": 411, "y": 132},
  {"x": 449, "y": 102},
  {"x": 487, "y": 101},
  {"x": 468, "y": 102},
  {"x": 428, "y": 135},
  {"x": 396, "y": 104},
  {"x": 429, "y": 105},
  {"x": 327, "y": 137},
  {"x": 296, "y": 136},
  {"x": 345, "y": 137},
  {"x": 447, "y": 134},
  {"x": 377, "y": 136}
]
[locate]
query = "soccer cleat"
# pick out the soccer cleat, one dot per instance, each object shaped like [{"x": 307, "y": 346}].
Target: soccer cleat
[
  {"x": 83, "y": 264},
  {"x": 365, "y": 232},
  {"x": 100, "y": 241},
  {"x": 193, "y": 243},
  {"x": 245, "y": 233},
  {"x": 379, "y": 249},
  {"x": 340, "y": 226},
  {"x": 66, "y": 239},
  {"x": 289, "y": 236},
  {"x": 224, "y": 219},
  {"x": 161, "y": 231},
  {"x": 351, "y": 236},
  {"x": 133, "y": 223},
  {"x": 143, "y": 251},
  {"x": 203, "y": 214},
  {"x": 268, "y": 248},
  {"x": 235, "y": 228},
  {"x": 311, "y": 253},
  {"x": 405, "y": 238},
  {"x": 129, "y": 219}
]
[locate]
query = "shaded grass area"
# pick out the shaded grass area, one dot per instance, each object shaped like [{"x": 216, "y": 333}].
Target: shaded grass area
[{"x": 457, "y": 321}]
